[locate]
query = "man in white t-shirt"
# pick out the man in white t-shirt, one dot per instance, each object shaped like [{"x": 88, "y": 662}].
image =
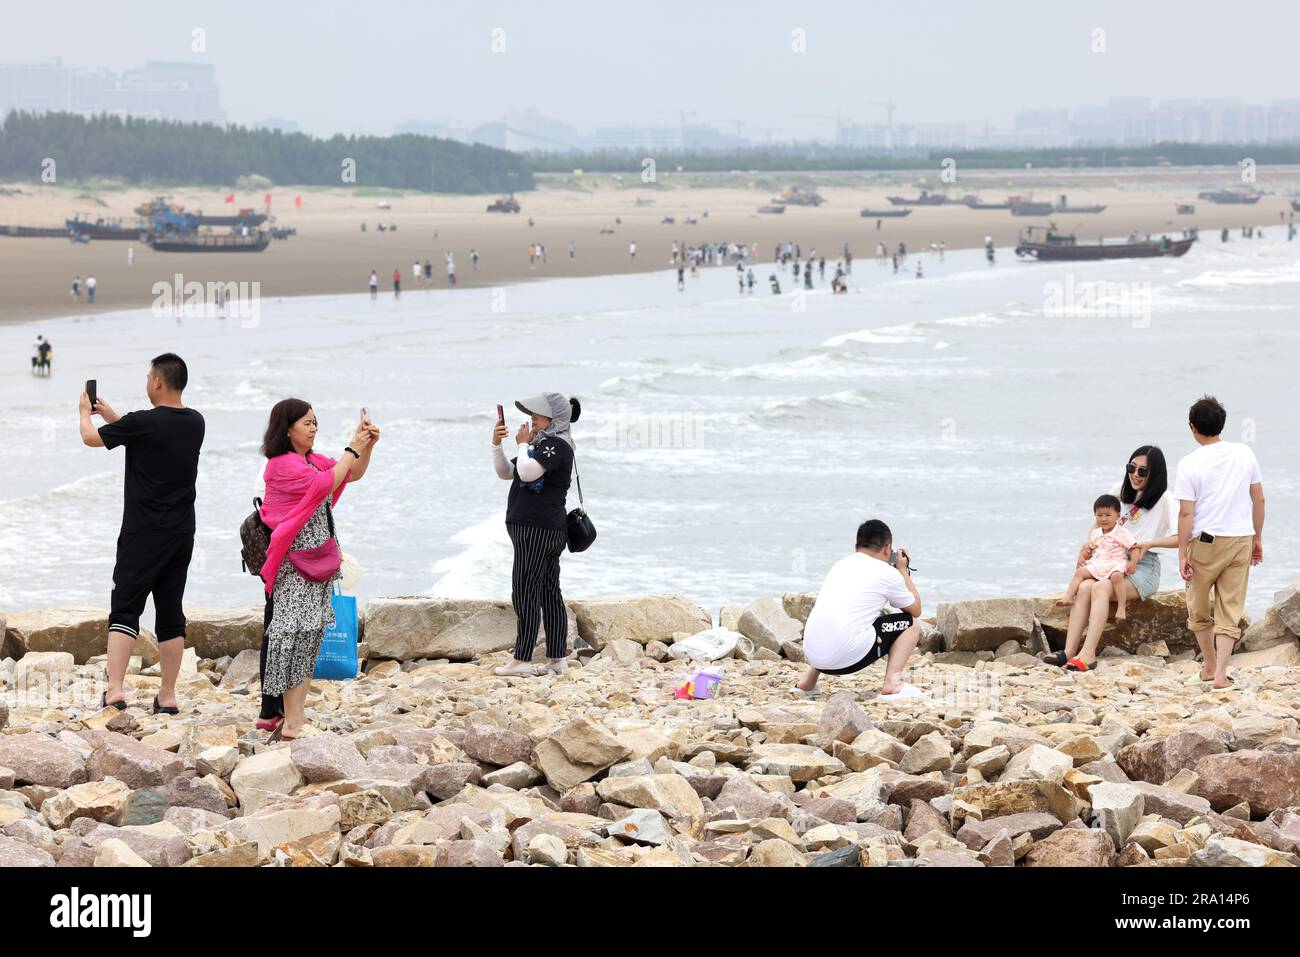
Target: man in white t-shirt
[
  {"x": 1220, "y": 535},
  {"x": 847, "y": 629}
]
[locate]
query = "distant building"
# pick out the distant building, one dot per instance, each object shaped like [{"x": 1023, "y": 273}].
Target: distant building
[
  {"x": 618, "y": 138},
  {"x": 159, "y": 90}
]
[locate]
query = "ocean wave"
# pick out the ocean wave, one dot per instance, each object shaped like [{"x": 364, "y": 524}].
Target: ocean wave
[
  {"x": 884, "y": 336},
  {"x": 484, "y": 556},
  {"x": 1232, "y": 279}
]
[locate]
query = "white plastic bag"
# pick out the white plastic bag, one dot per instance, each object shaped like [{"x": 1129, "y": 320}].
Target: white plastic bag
[
  {"x": 350, "y": 569},
  {"x": 711, "y": 645}
]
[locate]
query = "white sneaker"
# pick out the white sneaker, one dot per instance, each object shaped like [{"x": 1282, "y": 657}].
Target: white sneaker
[
  {"x": 905, "y": 693},
  {"x": 795, "y": 689},
  {"x": 555, "y": 667},
  {"x": 517, "y": 669}
]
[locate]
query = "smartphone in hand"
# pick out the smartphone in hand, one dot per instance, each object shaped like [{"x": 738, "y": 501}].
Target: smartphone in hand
[
  {"x": 91, "y": 389},
  {"x": 501, "y": 415},
  {"x": 365, "y": 416}
]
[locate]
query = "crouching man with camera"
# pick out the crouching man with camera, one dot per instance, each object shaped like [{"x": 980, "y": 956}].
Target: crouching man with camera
[{"x": 848, "y": 629}]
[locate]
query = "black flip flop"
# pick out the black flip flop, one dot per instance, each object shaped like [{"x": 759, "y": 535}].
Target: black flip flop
[
  {"x": 1058, "y": 658},
  {"x": 119, "y": 705},
  {"x": 159, "y": 709}
]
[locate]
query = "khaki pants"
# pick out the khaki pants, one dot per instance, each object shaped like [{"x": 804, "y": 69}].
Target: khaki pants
[{"x": 1216, "y": 595}]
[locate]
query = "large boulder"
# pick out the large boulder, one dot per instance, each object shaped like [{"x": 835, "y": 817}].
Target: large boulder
[
  {"x": 1161, "y": 617},
  {"x": 641, "y": 619},
  {"x": 1157, "y": 760},
  {"x": 104, "y": 801},
  {"x": 1265, "y": 633},
  {"x": 576, "y": 753},
  {"x": 985, "y": 624},
  {"x": 80, "y": 631},
  {"x": 1267, "y": 780},
  {"x": 326, "y": 757},
  {"x": 799, "y": 604},
  {"x": 1073, "y": 847},
  {"x": 669, "y": 794},
  {"x": 42, "y": 760},
  {"x": 220, "y": 632},
  {"x": 404, "y": 629},
  {"x": 1286, "y": 602},
  {"x": 132, "y": 762},
  {"x": 15, "y": 853},
  {"x": 766, "y": 624},
  {"x": 1116, "y": 809}
]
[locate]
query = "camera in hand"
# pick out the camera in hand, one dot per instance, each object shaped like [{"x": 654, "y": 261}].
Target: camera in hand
[{"x": 893, "y": 560}]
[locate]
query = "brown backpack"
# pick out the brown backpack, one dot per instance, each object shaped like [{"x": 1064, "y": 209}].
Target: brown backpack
[{"x": 255, "y": 539}]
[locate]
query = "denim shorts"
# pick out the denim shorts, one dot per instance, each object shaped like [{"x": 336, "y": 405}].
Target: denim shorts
[{"x": 1146, "y": 577}]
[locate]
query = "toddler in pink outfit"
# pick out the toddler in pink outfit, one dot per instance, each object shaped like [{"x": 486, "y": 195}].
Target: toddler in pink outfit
[{"x": 1113, "y": 554}]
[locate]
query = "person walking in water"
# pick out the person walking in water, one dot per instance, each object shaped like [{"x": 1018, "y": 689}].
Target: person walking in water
[{"x": 536, "y": 523}]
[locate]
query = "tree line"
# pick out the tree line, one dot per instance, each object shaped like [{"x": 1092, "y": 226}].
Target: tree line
[{"x": 167, "y": 152}]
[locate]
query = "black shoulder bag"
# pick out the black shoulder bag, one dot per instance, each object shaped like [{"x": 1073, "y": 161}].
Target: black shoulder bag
[
  {"x": 581, "y": 532},
  {"x": 254, "y": 540}
]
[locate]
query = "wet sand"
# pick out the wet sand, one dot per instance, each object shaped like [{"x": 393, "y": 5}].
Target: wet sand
[{"x": 330, "y": 254}]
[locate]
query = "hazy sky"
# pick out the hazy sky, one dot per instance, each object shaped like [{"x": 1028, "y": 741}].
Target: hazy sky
[{"x": 363, "y": 66}]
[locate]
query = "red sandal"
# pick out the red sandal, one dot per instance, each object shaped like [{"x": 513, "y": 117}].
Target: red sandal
[{"x": 1076, "y": 664}]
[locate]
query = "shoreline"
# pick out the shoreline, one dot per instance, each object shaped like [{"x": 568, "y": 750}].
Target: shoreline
[{"x": 330, "y": 255}]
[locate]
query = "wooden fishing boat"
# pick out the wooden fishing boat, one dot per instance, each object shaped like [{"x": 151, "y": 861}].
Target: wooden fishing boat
[
  {"x": 1055, "y": 247},
  {"x": 884, "y": 213},
  {"x": 208, "y": 242}
]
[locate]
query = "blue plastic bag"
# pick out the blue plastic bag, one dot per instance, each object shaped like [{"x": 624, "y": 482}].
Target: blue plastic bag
[{"x": 337, "y": 660}]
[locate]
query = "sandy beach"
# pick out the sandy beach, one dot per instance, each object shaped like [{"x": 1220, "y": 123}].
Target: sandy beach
[{"x": 330, "y": 254}]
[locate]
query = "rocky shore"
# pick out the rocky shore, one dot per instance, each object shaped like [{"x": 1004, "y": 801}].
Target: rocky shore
[{"x": 427, "y": 758}]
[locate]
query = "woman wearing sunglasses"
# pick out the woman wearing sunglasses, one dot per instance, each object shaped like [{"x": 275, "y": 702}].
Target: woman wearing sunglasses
[{"x": 1149, "y": 512}]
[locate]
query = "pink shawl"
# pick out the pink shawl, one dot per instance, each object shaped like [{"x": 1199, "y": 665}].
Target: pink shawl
[{"x": 293, "y": 493}]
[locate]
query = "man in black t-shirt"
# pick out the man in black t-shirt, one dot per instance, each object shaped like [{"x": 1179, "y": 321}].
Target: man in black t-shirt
[{"x": 157, "y": 536}]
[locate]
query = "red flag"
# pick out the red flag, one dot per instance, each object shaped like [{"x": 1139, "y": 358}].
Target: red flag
[
  {"x": 297, "y": 201},
  {"x": 267, "y": 199},
  {"x": 230, "y": 198}
]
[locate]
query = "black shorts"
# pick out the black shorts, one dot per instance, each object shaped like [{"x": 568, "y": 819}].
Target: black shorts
[
  {"x": 150, "y": 564},
  {"x": 887, "y": 628}
]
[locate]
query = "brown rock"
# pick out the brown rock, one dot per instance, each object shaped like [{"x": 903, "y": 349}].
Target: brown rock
[
  {"x": 985, "y": 624},
  {"x": 39, "y": 759},
  {"x": 1171, "y": 803},
  {"x": 922, "y": 818},
  {"x": 1038, "y": 825},
  {"x": 1072, "y": 847},
  {"x": 493, "y": 745},
  {"x": 134, "y": 764},
  {"x": 1156, "y": 760},
  {"x": 1265, "y": 779},
  {"x": 641, "y": 619},
  {"x": 327, "y": 757}
]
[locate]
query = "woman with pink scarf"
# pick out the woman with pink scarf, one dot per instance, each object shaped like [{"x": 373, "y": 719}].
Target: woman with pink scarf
[{"x": 302, "y": 560}]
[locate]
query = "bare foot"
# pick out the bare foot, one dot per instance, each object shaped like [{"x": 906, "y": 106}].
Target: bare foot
[
  {"x": 1120, "y": 613},
  {"x": 1064, "y": 602}
]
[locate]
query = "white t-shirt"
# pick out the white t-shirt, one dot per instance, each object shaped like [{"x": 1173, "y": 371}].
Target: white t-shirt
[
  {"x": 1218, "y": 477},
  {"x": 1148, "y": 524},
  {"x": 856, "y": 590}
]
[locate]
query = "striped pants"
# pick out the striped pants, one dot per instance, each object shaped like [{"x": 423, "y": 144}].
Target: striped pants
[{"x": 535, "y": 589}]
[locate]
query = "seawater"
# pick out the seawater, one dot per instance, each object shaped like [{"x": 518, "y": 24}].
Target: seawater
[{"x": 730, "y": 444}]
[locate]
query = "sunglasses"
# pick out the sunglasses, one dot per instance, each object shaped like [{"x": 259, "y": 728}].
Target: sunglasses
[{"x": 1141, "y": 470}]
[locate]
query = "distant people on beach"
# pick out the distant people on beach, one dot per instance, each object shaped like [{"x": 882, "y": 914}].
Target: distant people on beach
[
  {"x": 42, "y": 353},
  {"x": 75, "y": 291},
  {"x": 157, "y": 534},
  {"x": 397, "y": 283},
  {"x": 428, "y": 271},
  {"x": 849, "y": 628},
  {"x": 91, "y": 283},
  {"x": 1149, "y": 512},
  {"x": 130, "y": 255},
  {"x": 374, "y": 284},
  {"x": 536, "y": 522},
  {"x": 1220, "y": 535},
  {"x": 303, "y": 557},
  {"x": 473, "y": 260},
  {"x": 451, "y": 269},
  {"x": 573, "y": 249},
  {"x": 681, "y": 278},
  {"x": 631, "y": 251}
]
